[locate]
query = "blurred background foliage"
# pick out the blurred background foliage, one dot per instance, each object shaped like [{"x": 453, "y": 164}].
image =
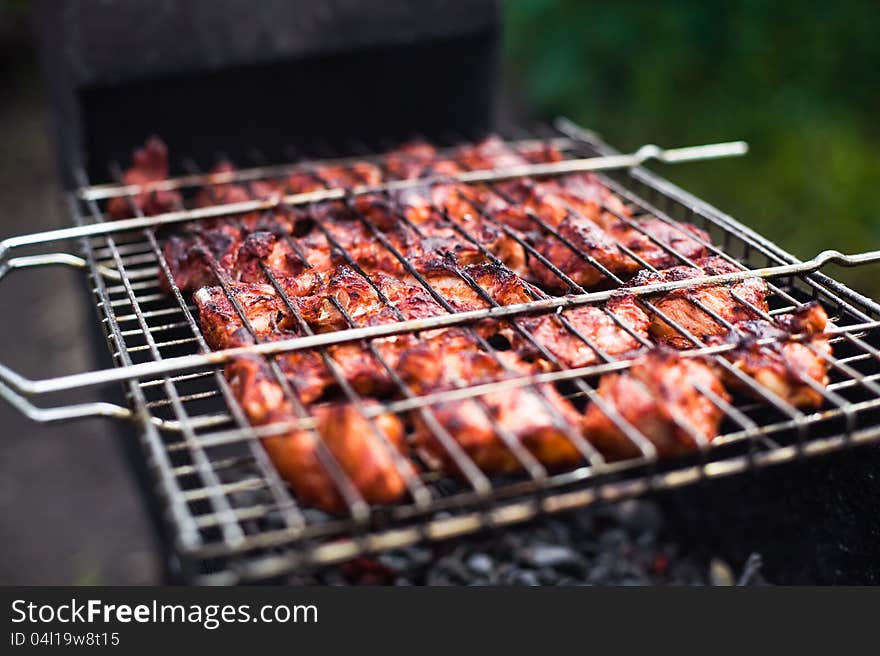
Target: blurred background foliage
[{"x": 800, "y": 81}]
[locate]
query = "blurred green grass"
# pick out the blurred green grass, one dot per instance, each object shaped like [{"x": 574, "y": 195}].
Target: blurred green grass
[{"x": 799, "y": 81}]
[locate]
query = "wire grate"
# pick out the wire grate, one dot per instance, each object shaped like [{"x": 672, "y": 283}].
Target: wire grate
[{"x": 235, "y": 519}]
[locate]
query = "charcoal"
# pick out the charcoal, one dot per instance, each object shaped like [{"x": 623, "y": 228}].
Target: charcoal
[
  {"x": 622, "y": 544},
  {"x": 751, "y": 573},
  {"x": 526, "y": 577},
  {"x": 551, "y": 555},
  {"x": 395, "y": 561},
  {"x": 480, "y": 564}
]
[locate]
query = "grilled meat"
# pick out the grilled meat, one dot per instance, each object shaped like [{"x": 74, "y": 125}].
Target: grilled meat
[
  {"x": 222, "y": 325},
  {"x": 469, "y": 287},
  {"x": 491, "y": 153},
  {"x": 535, "y": 417},
  {"x": 218, "y": 192},
  {"x": 661, "y": 397},
  {"x": 362, "y": 450},
  {"x": 259, "y": 391},
  {"x": 588, "y": 238},
  {"x": 678, "y": 241},
  {"x": 330, "y": 266},
  {"x": 793, "y": 370},
  {"x": 149, "y": 164},
  {"x": 359, "y": 299},
  {"x": 681, "y": 305},
  {"x": 587, "y": 324}
]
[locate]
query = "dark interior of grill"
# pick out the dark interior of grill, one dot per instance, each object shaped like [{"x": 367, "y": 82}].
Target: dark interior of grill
[{"x": 233, "y": 520}]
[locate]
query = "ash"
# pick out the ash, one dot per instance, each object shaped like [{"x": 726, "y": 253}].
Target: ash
[{"x": 623, "y": 544}]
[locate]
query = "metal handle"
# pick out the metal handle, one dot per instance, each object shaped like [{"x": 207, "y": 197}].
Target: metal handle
[
  {"x": 14, "y": 387},
  {"x": 47, "y": 259}
]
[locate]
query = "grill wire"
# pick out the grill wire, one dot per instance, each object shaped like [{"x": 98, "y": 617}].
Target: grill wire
[{"x": 234, "y": 519}]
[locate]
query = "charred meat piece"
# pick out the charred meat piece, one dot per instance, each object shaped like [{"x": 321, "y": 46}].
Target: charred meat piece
[
  {"x": 192, "y": 257},
  {"x": 592, "y": 323},
  {"x": 409, "y": 160},
  {"x": 680, "y": 307},
  {"x": 275, "y": 252},
  {"x": 533, "y": 416},
  {"x": 585, "y": 194},
  {"x": 221, "y": 324},
  {"x": 588, "y": 239},
  {"x": 783, "y": 366},
  {"x": 678, "y": 239},
  {"x": 219, "y": 192},
  {"x": 497, "y": 282},
  {"x": 362, "y": 449},
  {"x": 260, "y": 393},
  {"x": 442, "y": 236},
  {"x": 149, "y": 165},
  {"x": 661, "y": 397},
  {"x": 491, "y": 153},
  {"x": 358, "y": 297},
  {"x": 346, "y": 177}
]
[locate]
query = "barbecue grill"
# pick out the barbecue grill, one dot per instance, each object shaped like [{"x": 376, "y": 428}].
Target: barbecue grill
[{"x": 230, "y": 516}]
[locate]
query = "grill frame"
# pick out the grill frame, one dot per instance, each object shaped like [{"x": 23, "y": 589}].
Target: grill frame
[{"x": 234, "y": 555}]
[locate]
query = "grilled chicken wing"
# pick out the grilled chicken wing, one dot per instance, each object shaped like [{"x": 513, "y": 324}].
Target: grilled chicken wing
[
  {"x": 783, "y": 366},
  {"x": 681, "y": 306},
  {"x": 661, "y": 397}
]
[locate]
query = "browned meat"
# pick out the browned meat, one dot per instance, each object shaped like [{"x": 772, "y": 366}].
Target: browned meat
[
  {"x": 409, "y": 161},
  {"x": 660, "y": 396},
  {"x": 586, "y": 194},
  {"x": 594, "y": 324},
  {"x": 451, "y": 361},
  {"x": 679, "y": 305},
  {"x": 149, "y": 164},
  {"x": 385, "y": 210},
  {"x": 218, "y": 192},
  {"x": 225, "y": 193},
  {"x": 364, "y": 457},
  {"x": 259, "y": 392},
  {"x": 361, "y": 302},
  {"x": 498, "y": 282},
  {"x": 364, "y": 453},
  {"x": 784, "y": 365},
  {"x": 490, "y": 153},
  {"x": 589, "y": 239},
  {"x": 679, "y": 239},
  {"x": 359, "y": 173},
  {"x": 221, "y": 324},
  {"x": 264, "y": 248},
  {"x": 442, "y": 237}
]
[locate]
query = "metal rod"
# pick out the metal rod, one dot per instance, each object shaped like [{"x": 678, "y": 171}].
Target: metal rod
[
  {"x": 217, "y": 358},
  {"x": 114, "y": 190},
  {"x": 643, "y": 154}
]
